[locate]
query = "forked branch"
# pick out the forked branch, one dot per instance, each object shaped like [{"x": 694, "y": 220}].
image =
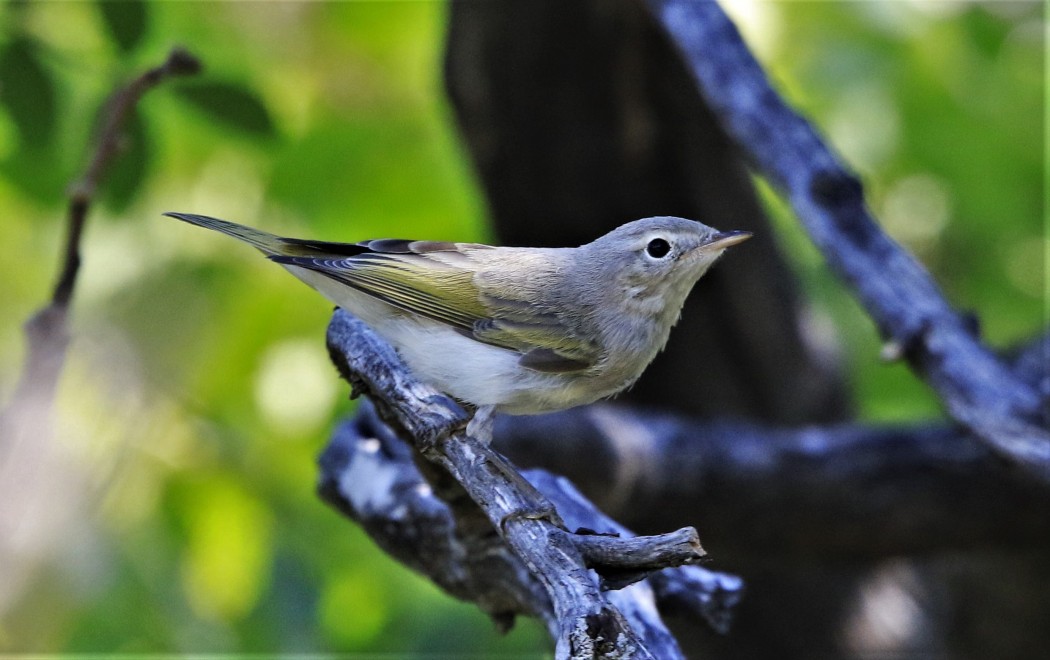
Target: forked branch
[{"x": 584, "y": 620}]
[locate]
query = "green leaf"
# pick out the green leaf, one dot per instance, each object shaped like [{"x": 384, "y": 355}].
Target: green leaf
[
  {"x": 126, "y": 21},
  {"x": 27, "y": 92},
  {"x": 129, "y": 168},
  {"x": 230, "y": 104},
  {"x": 985, "y": 30},
  {"x": 34, "y": 173}
]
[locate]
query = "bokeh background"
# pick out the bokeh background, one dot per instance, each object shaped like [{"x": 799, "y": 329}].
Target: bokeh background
[{"x": 174, "y": 508}]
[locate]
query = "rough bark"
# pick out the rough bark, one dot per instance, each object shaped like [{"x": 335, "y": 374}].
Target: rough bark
[{"x": 584, "y": 621}]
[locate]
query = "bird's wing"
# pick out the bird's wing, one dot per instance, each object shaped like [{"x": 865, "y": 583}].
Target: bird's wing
[
  {"x": 435, "y": 280},
  {"x": 432, "y": 279}
]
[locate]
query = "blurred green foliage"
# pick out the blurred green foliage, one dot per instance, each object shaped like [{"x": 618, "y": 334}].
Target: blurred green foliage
[{"x": 175, "y": 510}]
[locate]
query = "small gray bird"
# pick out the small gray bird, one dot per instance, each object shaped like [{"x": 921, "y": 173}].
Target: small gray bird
[{"x": 515, "y": 330}]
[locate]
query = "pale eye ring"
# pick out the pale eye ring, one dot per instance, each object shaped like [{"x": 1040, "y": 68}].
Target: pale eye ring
[{"x": 658, "y": 248}]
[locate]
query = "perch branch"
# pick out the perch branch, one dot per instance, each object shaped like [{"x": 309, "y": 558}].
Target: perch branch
[
  {"x": 588, "y": 623},
  {"x": 368, "y": 474},
  {"x": 977, "y": 389},
  {"x": 718, "y": 594}
]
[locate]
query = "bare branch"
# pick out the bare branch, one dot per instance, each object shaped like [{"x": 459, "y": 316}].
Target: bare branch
[
  {"x": 712, "y": 596},
  {"x": 47, "y": 336},
  {"x": 846, "y": 492},
  {"x": 978, "y": 390},
  {"x": 369, "y": 475},
  {"x": 588, "y": 624},
  {"x": 119, "y": 108}
]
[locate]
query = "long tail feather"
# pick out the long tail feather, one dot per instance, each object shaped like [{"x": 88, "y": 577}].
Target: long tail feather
[
  {"x": 270, "y": 244},
  {"x": 266, "y": 242}
]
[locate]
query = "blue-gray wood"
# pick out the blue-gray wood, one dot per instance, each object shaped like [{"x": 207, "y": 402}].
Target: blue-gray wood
[
  {"x": 976, "y": 388},
  {"x": 584, "y": 620}
]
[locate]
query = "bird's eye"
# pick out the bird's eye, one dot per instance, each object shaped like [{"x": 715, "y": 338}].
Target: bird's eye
[{"x": 658, "y": 248}]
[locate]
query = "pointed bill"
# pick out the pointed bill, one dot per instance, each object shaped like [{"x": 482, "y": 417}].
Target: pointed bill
[{"x": 724, "y": 239}]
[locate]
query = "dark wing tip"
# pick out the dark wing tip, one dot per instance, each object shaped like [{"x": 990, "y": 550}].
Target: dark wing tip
[
  {"x": 306, "y": 261},
  {"x": 549, "y": 361},
  {"x": 406, "y": 246},
  {"x": 307, "y": 246}
]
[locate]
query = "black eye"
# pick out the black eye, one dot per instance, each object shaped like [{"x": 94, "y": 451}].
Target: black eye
[{"x": 658, "y": 248}]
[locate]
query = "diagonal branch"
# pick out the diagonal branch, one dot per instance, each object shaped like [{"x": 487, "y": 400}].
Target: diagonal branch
[
  {"x": 46, "y": 332},
  {"x": 977, "y": 389},
  {"x": 368, "y": 473},
  {"x": 587, "y": 623},
  {"x": 110, "y": 142}
]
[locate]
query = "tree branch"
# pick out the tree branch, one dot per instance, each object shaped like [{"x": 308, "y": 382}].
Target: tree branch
[
  {"x": 587, "y": 623},
  {"x": 47, "y": 336},
  {"x": 369, "y": 475},
  {"x": 640, "y": 555},
  {"x": 845, "y": 492},
  {"x": 977, "y": 389},
  {"x": 109, "y": 145}
]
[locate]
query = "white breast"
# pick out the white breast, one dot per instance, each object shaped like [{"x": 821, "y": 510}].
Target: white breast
[{"x": 469, "y": 370}]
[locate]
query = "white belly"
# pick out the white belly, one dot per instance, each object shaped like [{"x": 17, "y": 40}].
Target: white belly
[{"x": 469, "y": 370}]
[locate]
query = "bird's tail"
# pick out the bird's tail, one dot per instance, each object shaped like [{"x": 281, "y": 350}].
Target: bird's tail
[{"x": 268, "y": 243}]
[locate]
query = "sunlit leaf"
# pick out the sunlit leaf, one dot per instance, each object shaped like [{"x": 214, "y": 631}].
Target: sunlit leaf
[
  {"x": 27, "y": 93},
  {"x": 125, "y": 21},
  {"x": 230, "y": 104}
]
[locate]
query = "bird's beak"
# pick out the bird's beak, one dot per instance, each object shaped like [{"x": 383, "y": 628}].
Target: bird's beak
[{"x": 724, "y": 239}]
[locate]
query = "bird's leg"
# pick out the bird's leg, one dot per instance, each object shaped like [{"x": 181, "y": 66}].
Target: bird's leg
[
  {"x": 480, "y": 425},
  {"x": 480, "y": 428}
]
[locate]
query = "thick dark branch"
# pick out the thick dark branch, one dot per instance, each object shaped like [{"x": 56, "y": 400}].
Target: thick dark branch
[
  {"x": 977, "y": 389},
  {"x": 847, "y": 492},
  {"x": 589, "y": 624}
]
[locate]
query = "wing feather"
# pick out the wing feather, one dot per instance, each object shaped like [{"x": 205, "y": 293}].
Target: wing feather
[
  {"x": 427, "y": 283},
  {"x": 437, "y": 280}
]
